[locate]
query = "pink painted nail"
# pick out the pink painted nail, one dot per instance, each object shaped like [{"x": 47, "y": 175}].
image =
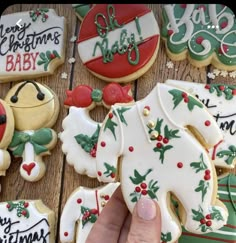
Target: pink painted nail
[{"x": 146, "y": 208}]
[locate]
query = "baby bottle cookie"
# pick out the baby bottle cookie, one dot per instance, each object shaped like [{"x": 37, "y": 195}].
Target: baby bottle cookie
[
  {"x": 35, "y": 108},
  {"x": 80, "y": 131},
  {"x": 6, "y": 132}
]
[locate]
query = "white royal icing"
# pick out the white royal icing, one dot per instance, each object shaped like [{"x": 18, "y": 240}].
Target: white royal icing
[
  {"x": 71, "y": 215},
  {"x": 20, "y": 49},
  {"x": 22, "y": 229},
  {"x": 223, "y": 110},
  {"x": 173, "y": 162}
]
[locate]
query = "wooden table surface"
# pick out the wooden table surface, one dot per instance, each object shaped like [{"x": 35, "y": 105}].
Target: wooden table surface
[{"x": 60, "y": 178}]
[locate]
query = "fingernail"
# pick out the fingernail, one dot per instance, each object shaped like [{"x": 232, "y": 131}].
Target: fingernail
[{"x": 146, "y": 209}]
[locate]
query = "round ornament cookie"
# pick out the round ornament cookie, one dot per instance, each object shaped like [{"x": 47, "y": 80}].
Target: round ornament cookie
[
  {"x": 203, "y": 33},
  {"x": 118, "y": 42},
  {"x": 35, "y": 108}
]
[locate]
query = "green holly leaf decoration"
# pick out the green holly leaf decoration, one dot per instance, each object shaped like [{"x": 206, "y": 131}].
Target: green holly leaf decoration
[
  {"x": 230, "y": 154},
  {"x": 39, "y": 12},
  {"x": 121, "y": 112},
  {"x": 216, "y": 214},
  {"x": 110, "y": 170},
  {"x": 162, "y": 151},
  {"x": 152, "y": 189},
  {"x": 166, "y": 237},
  {"x": 200, "y": 165},
  {"x": 179, "y": 96},
  {"x": 202, "y": 187},
  {"x": 89, "y": 215},
  {"x": 168, "y": 133},
  {"x": 111, "y": 126},
  {"x": 21, "y": 208},
  {"x": 47, "y": 57},
  {"x": 198, "y": 215},
  {"x": 138, "y": 178},
  {"x": 220, "y": 89},
  {"x": 86, "y": 142}
]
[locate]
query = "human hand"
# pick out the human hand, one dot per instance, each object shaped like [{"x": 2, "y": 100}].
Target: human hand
[{"x": 116, "y": 225}]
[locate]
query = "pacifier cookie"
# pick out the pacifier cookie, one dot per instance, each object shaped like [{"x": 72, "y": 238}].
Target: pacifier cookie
[
  {"x": 156, "y": 147},
  {"x": 117, "y": 45},
  {"x": 33, "y": 48},
  {"x": 80, "y": 131},
  {"x": 35, "y": 108},
  {"x": 6, "y": 132},
  {"x": 81, "y": 211},
  {"x": 203, "y": 33},
  {"x": 220, "y": 99},
  {"x": 26, "y": 221},
  {"x": 82, "y": 9}
]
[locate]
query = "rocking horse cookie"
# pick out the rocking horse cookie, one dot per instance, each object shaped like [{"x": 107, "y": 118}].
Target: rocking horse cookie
[
  {"x": 117, "y": 45},
  {"x": 6, "y": 132},
  {"x": 83, "y": 208},
  {"x": 161, "y": 143},
  {"x": 80, "y": 131},
  {"x": 35, "y": 108},
  {"x": 26, "y": 221},
  {"x": 220, "y": 100}
]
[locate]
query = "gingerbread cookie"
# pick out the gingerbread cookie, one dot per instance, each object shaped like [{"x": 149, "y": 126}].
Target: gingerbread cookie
[
  {"x": 26, "y": 221},
  {"x": 227, "y": 194},
  {"x": 82, "y": 9},
  {"x": 203, "y": 33},
  {"x": 35, "y": 108},
  {"x": 220, "y": 100},
  {"x": 159, "y": 154},
  {"x": 35, "y": 48},
  {"x": 80, "y": 131},
  {"x": 6, "y": 132},
  {"x": 83, "y": 208},
  {"x": 117, "y": 45}
]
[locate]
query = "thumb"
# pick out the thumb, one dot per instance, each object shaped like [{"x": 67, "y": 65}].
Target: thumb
[{"x": 146, "y": 222}]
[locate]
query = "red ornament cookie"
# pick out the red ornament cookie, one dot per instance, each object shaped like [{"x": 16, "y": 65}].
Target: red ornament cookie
[{"x": 118, "y": 42}]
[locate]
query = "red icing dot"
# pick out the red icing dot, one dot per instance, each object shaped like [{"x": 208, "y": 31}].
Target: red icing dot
[
  {"x": 144, "y": 192},
  {"x": 207, "y": 177},
  {"x": 184, "y": 95},
  {"x": 180, "y": 165},
  {"x": 186, "y": 99},
  {"x": 99, "y": 173},
  {"x": 131, "y": 148},
  {"x": 208, "y": 216},
  {"x": 8, "y": 205},
  {"x": 222, "y": 87},
  {"x": 234, "y": 92},
  {"x": 110, "y": 115},
  {"x": 45, "y": 16},
  {"x": 106, "y": 197},
  {"x": 202, "y": 221},
  {"x": 66, "y": 234},
  {"x": 165, "y": 140},
  {"x": 207, "y": 172},
  {"x": 159, "y": 138},
  {"x": 199, "y": 40},
  {"x": 224, "y": 24},
  {"x": 147, "y": 107},
  {"x": 170, "y": 32},
  {"x": 207, "y": 86},
  {"x": 103, "y": 144},
  {"x": 159, "y": 145},
  {"x": 143, "y": 185},
  {"x": 137, "y": 189},
  {"x": 208, "y": 223},
  {"x": 207, "y": 123},
  {"x": 26, "y": 204},
  {"x": 79, "y": 200},
  {"x": 52, "y": 56},
  {"x": 113, "y": 175},
  {"x": 223, "y": 49}
]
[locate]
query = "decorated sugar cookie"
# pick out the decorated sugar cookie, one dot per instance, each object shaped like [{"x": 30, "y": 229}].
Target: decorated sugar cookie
[
  {"x": 203, "y": 33},
  {"x": 80, "y": 131},
  {"x": 158, "y": 154},
  {"x": 82, "y": 9},
  {"x": 81, "y": 211},
  {"x": 35, "y": 109},
  {"x": 227, "y": 194},
  {"x": 6, "y": 132},
  {"x": 26, "y": 221},
  {"x": 220, "y": 100},
  {"x": 118, "y": 42},
  {"x": 36, "y": 49}
]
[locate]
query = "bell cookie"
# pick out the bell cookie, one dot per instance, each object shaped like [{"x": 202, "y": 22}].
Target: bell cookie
[
  {"x": 80, "y": 131},
  {"x": 35, "y": 108},
  {"x": 33, "y": 47},
  {"x": 159, "y": 155},
  {"x": 220, "y": 100},
  {"x": 203, "y": 33},
  {"x": 26, "y": 221},
  {"x": 117, "y": 45},
  {"x": 81, "y": 211}
]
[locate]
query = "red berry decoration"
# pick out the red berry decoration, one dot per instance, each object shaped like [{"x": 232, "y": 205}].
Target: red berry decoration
[
  {"x": 208, "y": 223},
  {"x": 52, "y": 56},
  {"x": 184, "y": 95},
  {"x": 103, "y": 144},
  {"x": 170, "y": 32},
  {"x": 143, "y": 185},
  {"x": 79, "y": 200},
  {"x": 45, "y": 16},
  {"x": 137, "y": 189},
  {"x": 66, "y": 234},
  {"x": 208, "y": 216},
  {"x": 207, "y": 172},
  {"x": 207, "y": 86},
  {"x": 94, "y": 211},
  {"x": 159, "y": 145},
  {"x": 165, "y": 140},
  {"x": 8, "y": 205},
  {"x": 106, "y": 197},
  {"x": 147, "y": 107},
  {"x": 113, "y": 175},
  {"x": 131, "y": 148},
  {"x": 186, "y": 99},
  {"x": 26, "y": 204},
  {"x": 207, "y": 123},
  {"x": 99, "y": 173},
  {"x": 202, "y": 221},
  {"x": 159, "y": 138},
  {"x": 180, "y": 165},
  {"x": 24, "y": 213},
  {"x": 207, "y": 177},
  {"x": 144, "y": 192},
  {"x": 199, "y": 40},
  {"x": 222, "y": 87},
  {"x": 110, "y": 115}
]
